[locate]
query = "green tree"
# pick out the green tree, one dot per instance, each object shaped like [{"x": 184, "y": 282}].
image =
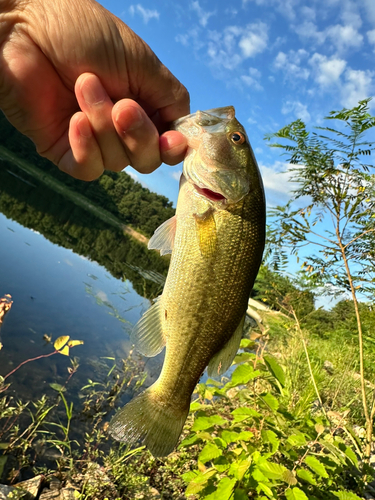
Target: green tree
[{"x": 331, "y": 211}]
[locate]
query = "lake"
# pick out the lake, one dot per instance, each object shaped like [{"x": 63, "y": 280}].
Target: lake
[{"x": 59, "y": 288}]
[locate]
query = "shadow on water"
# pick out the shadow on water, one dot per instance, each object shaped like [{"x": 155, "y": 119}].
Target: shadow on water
[{"x": 69, "y": 273}]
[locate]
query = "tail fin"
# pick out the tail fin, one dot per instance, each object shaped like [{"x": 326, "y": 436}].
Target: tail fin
[{"x": 146, "y": 420}]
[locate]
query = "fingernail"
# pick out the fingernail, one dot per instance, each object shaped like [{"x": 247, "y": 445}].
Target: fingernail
[
  {"x": 130, "y": 121},
  {"x": 93, "y": 92}
]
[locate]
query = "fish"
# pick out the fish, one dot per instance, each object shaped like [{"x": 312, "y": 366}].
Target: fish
[{"x": 216, "y": 240}]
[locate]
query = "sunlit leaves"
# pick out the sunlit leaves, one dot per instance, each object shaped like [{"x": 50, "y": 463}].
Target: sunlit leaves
[{"x": 63, "y": 344}]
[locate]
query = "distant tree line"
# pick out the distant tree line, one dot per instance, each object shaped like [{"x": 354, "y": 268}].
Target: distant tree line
[{"x": 116, "y": 192}]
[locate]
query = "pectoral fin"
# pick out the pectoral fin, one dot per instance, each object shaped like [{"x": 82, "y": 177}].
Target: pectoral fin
[
  {"x": 222, "y": 360},
  {"x": 147, "y": 334},
  {"x": 206, "y": 229},
  {"x": 163, "y": 237}
]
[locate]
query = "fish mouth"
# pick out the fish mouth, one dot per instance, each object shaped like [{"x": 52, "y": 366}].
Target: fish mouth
[{"x": 211, "y": 195}]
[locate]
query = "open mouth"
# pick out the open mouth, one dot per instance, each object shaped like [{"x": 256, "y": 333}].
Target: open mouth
[{"x": 211, "y": 195}]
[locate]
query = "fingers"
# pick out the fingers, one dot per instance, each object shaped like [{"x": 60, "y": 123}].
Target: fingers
[
  {"x": 106, "y": 136},
  {"x": 138, "y": 134}
]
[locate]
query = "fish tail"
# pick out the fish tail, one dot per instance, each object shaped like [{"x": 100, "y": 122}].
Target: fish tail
[{"x": 147, "y": 420}]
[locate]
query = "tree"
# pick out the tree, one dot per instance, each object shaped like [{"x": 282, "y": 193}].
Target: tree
[{"x": 331, "y": 211}]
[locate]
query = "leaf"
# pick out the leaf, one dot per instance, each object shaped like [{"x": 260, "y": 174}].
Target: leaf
[
  {"x": 199, "y": 482},
  {"x": 232, "y": 436},
  {"x": 316, "y": 466},
  {"x": 3, "y": 460},
  {"x": 57, "y": 387},
  {"x": 243, "y": 374},
  {"x": 240, "y": 494},
  {"x": 346, "y": 495},
  {"x": 241, "y": 414},
  {"x": 209, "y": 452},
  {"x": 272, "y": 470},
  {"x": 270, "y": 437},
  {"x": 275, "y": 369},
  {"x": 306, "y": 475},
  {"x": 73, "y": 343},
  {"x": 64, "y": 351},
  {"x": 224, "y": 489},
  {"x": 203, "y": 423},
  {"x": 295, "y": 494},
  {"x": 297, "y": 440},
  {"x": 289, "y": 477},
  {"x": 239, "y": 468},
  {"x": 60, "y": 342},
  {"x": 271, "y": 401}
]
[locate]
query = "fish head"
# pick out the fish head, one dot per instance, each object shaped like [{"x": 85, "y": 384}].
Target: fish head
[{"x": 220, "y": 162}]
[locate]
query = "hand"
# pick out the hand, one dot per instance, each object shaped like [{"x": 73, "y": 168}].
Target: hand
[{"x": 63, "y": 64}]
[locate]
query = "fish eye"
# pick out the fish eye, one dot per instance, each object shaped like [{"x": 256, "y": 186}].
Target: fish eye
[{"x": 237, "y": 138}]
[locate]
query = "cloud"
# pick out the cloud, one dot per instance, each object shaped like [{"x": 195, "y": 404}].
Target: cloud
[
  {"x": 371, "y": 37},
  {"x": 228, "y": 48},
  {"x": 202, "y": 14},
  {"x": 276, "y": 180},
  {"x": 369, "y": 6},
  {"x": 146, "y": 14},
  {"x": 327, "y": 71},
  {"x": 358, "y": 85},
  {"x": 290, "y": 64},
  {"x": 176, "y": 174},
  {"x": 344, "y": 37},
  {"x": 297, "y": 108},
  {"x": 252, "y": 79}
]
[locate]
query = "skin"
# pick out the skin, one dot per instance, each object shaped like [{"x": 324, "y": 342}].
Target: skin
[{"x": 86, "y": 89}]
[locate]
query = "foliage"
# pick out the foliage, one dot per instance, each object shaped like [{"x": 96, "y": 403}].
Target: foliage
[
  {"x": 332, "y": 210},
  {"x": 253, "y": 441}
]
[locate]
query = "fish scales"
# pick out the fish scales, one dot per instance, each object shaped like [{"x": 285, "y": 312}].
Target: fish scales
[{"x": 217, "y": 237}]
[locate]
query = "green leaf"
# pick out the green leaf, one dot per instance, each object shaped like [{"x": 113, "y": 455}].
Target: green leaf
[
  {"x": 57, "y": 387},
  {"x": 232, "y": 436},
  {"x": 275, "y": 368},
  {"x": 271, "y": 401},
  {"x": 241, "y": 414},
  {"x": 199, "y": 482},
  {"x": 224, "y": 489},
  {"x": 209, "y": 452},
  {"x": 203, "y": 423},
  {"x": 60, "y": 342},
  {"x": 242, "y": 375},
  {"x": 272, "y": 470},
  {"x": 289, "y": 477},
  {"x": 3, "y": 446},
  {"x": 270, "y": 437},
  {"x": 306, "y": 475},
  {"x": 240, "y": 494},
  {"x": 295, "y": 494},
  {"x": 316, "y": 466},
  {"x": 297, "y": 440},
  {"x": 346, "y": 495},
  {"x": 351, "y": 455},
  {"x": 239, "y": 468}
]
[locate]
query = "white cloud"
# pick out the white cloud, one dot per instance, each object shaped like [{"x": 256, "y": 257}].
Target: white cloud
[
  {"x": 344, "y": 37},
  {"x": 290, "y": 64},
  {"x": 253, "y": 79},
  {"x": 358, "y": 85},
  {"x": 202, "y": 14},
  {"x": 369, "y": 6},
  {"x": 254, "y": 39},
  {"x": 146, "y": 14},
  {"x": 276, "y": 180},
  {"x": 371, "y": 37},
  {"x": 327, "y": 71},
  {"x": 297, "y": 108},
  {"x": 228, "y": 48},
  {"x": 176, "y": 174}
]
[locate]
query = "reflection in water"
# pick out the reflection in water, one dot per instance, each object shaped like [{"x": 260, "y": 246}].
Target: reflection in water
[{"x": 69, "y": 274}]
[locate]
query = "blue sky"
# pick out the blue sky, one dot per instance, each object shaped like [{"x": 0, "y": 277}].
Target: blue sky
[{"x": 274, "y": 60}]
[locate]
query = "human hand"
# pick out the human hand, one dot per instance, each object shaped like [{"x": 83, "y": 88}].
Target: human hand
[{"x": 63, "y": 64}]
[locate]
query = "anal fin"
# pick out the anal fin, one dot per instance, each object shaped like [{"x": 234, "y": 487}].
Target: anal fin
[
  {"x": 147, "y": 334},
  {"x": 222, "y": 360}
]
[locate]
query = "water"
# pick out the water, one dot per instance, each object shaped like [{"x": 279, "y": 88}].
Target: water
[{"x": 59, "y": 288}]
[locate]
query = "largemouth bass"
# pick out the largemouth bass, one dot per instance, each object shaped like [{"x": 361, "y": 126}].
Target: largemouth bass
[{"x": 217, "y": 240}]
